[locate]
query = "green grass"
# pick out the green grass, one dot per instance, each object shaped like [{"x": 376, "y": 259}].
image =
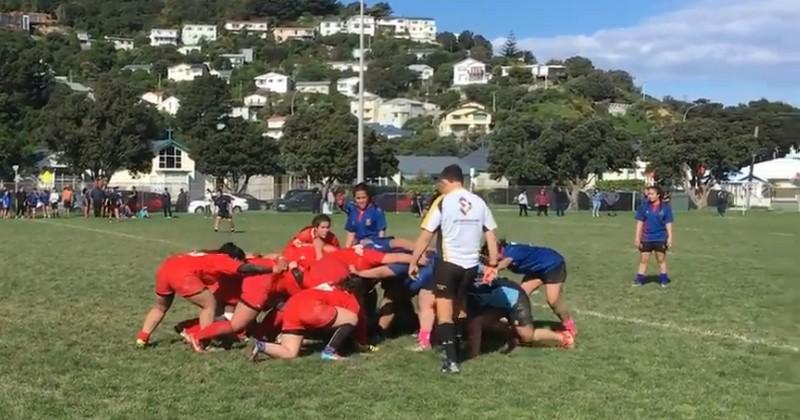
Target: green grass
[{"x": 73, "y": 294}]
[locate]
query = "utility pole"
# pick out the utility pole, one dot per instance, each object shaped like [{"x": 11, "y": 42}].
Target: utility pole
[
  {"x": 750, "y": 177},
  {"x": 360, "y": 162}
]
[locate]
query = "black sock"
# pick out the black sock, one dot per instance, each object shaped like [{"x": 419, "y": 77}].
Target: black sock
[
  {"x": 447, "y": 335},
  {"x": 339, "y": 336}
]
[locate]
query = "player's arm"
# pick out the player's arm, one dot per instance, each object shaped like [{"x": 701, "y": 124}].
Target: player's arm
[
  {"x": 637, "y": 235},
  {"x": 381, "y": 272},
  {"x": 669, "y": 235},
  {"x": 399, "y": 258},
  {"x": 319, "y": 248},
  {"x": 248, "y": 269},
  {"x": 504, "y": 263},
  {"x": 350, "y": 239}
]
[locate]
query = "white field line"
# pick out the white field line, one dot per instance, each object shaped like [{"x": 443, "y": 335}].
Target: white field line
[
  {"x": 687, "y": 330},
  {"x": 661, "y": 325}
]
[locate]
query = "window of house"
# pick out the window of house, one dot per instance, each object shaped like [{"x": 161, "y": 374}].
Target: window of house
[{"x": 169, "y": 158}]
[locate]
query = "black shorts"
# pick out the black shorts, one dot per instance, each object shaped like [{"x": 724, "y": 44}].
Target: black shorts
[
  {"x": 224, "y": 214},
  {"x": 520, "y": 315},
  {"x": 449, "y": 278},
  {"x": 653, "y": 246},
  {"x": 554, "y": 276}
]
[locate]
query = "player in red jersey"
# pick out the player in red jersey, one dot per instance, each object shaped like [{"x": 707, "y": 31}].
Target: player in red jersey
[
  {"x": 335, "y": 267},
  {"x": 258, "y": 293},
  {"x": 323, "y": 308},
  {"x": 312, "y": 242},
  {"x": 191, "y": 275}
]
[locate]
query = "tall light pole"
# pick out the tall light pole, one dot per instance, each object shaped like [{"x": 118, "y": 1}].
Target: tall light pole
[
  {"x": 16, "y": 178},
  {"x": 360, "y": 162}
]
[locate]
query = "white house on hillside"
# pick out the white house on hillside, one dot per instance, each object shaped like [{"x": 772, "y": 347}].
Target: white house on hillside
[
  {"x": 414, "y": 28},
  {"x": 470, "y": 72},
  {"x": 539, "y": 71},
  {"x": 396, "y": 112},
  {"x": 194, "y": 34},
  {"x": 424, "y": 71},
  {"x": 248, "y": 26},
  {"x": 346, "y": 65},
  {"x": 162, "y": 102},
  {"x": 371, "y": 104},
  {"x": 352, "y": 25},
  {"x": 186, "y": 72},
  {"x": 257, "y": 99},
  {"x": 120, "y": 43},
  {"x": 273, "y": 82},
  {"x": 159, "y": 37},
  {"x": 467, "y": 118},
  {"x": 330, "y": 26},
  {"x": 244, "y": 113},
  {"x": 275, "y": 125},
  {"x": 283, "y": 34},
  {"x": 322, "y": 87},
  {"x": 188, "y": 49},
  {"x": 244, "y": 56},
  {"x": 347, "y": 86}
]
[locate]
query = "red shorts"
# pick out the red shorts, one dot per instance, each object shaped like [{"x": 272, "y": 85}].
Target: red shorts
[
  {"x": 256, "y": 291},
  {"x": 227, "y": 290},
  {"x": 315, "y": 309},
  {"x": 183, "y": 284}
]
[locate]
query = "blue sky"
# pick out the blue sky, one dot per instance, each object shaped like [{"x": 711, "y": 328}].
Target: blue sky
[{"x": 725, "y": 50}]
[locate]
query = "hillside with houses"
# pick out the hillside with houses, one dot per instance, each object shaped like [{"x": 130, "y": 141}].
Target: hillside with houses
[{"x": 243, "y": 85}]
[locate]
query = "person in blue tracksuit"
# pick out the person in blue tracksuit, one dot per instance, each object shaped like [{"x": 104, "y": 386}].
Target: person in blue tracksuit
[
  {"x": 539, "y": 266},
  {"x": 653, "y": 234}
]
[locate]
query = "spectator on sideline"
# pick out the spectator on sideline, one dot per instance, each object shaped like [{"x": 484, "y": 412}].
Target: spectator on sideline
[
  {"x": 97, "y": 199},
  {"x": 86, "y": 196},
  {"x": 462, "y": 219},
  {"x": 561, "y": 200},
  {"x": 317, "y": 202},
  {"x": 21, "y": 202},
  {"x": 5, "y": 203},
  {"x": 132, "y": 200},
  {"x": 33, "y": 202},
  {"x": 166, "y": 203},
  {"x": 522, "y": 201},
  {"x": 722, "y": 202},
  {"x": 54, "y": 199},
  {"x": 330, "y": 202},
  {"x": 66, "y": 200},
  {"x": 44, "y": 202},
  {"x": 182, "y": 205},
  {"x": 597, "y": 202},
  {"x": 542, "y": 202}
]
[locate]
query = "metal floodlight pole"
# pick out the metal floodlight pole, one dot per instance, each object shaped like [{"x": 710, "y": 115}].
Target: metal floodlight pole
[
  {"x": 16, "y": 177},
  {"x": 360, "y": 163},
  {"x": 750, "y": 177}
]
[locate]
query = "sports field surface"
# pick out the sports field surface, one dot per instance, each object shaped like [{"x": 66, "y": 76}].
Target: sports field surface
[{"x": 720, "y": 343}]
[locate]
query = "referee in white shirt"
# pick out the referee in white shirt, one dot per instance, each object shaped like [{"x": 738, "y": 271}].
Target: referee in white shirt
[{"x": 462, "y": 220}]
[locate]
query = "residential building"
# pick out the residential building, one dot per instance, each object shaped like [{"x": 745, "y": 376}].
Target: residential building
[
  {"x": 133, "y": 68},
  {"x": 153, "y": 97},
  {"x": 322, "y": 87},
  {"x": 159, "y": 37},
  {"x": 172, "y": 168},
  {"x": 470, "y": 72},
  {"x": 539, "y": 71},
  {"x": 390, "y": 132},
  {"x": 413, "y": 28},
  {"x": 193, "y": 34},
  {"x": 244, "y": 113},
  {"x": 357, "y": 53},
  {"x": 275, "y": 125},
  {"x": 468, "y": 118},
  {"x": 222, "y": 74},
  {"x": 258, "y": 99},
  {"x": 25, "y": 21},
  {"x": 273, "y": 82},
  {"x": 352, "y": 25},
  {"x": 285, "y": 33},
  {"x": 162, "y": 102},
  {"x": 85, "y": 40},
  {"x": 186, "y": 72},
  {"x": 244, "y": 56},
  {"x": 475, "y": 167},
  {"x": 346, "y": 65},
  {"x": 347, "y": 86},
  {"x": 396, "y": 112},
  {"x": 75, "y": 86},
  {"x": 120, "y": 43},
  {"x": 331, "y": 26},
  {"x": 422, "y": 53},
  {"x": 618, "y": 109},
  {"x": 424, "y": 71},
  {"x": 249, "y": 26},
  {"x": 371, "y": 104},
  {"x": 188, "y": 49}
]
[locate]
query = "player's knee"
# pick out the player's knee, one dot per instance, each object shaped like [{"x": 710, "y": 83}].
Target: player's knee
[
  {"x": 525, "y": 334},
  {"x": 345, "y": 316}
]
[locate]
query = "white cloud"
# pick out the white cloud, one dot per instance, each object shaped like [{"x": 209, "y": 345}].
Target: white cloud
[{"x": 757, "y": 41}]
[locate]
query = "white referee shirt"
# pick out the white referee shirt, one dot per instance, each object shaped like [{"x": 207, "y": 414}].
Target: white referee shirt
[{"x": 461, "y": 218}]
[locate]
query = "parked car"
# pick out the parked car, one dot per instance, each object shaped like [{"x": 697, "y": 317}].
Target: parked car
[
  {"x": 299, "y": 200},
  {"x": 143, "y": 198},
  {"x": 394, "y": 202},
  {"x": 256, "y": 203},
  {"x": 239, "y": 205}
]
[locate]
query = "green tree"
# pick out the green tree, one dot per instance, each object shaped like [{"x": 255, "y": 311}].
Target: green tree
[
  {"x": 443, "y": 76},
  {"x": 514, "y": 153},
  {"x": 466, "y": 40},
  {"x": 697, "y": 155},
  {"x": 426, "y": 142},
  {"x": 509, "y": 49},
  {"x": 518, "y": 75},
  {"x": 103, "y": 135},
  {"x": 578, "y": 66},
  {"x": 596, "y": 86},
  {"x": 235, "y": 153},
  {"x": 388, "y": 83},
  {"x": 379, "y": 9},
  {"x": 203, "y": 106},
  {"x": 321, "y": 143},
  {"x": 313, "y": 72}
]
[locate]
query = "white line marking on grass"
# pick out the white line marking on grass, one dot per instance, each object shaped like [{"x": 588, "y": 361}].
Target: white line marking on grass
[
  {"x": 689, "y": 330},
  {"x": 112, "y": 233},
  {"x": 781, "y": 234}
]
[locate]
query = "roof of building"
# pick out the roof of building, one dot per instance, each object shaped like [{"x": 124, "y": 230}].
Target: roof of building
[
  {"x": 159, "y": 145},
  {"x": 313, "y": 83},
  {"x": 270, "y": 74},
  {"x": 134, "y": 67},
  {"x": 432, "y": 165},
  {"x": 389, "y": 130},
  {"x": 776, "y": 169}
]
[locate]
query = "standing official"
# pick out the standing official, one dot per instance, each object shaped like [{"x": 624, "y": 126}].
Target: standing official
[{"x": 462, "y": 220}]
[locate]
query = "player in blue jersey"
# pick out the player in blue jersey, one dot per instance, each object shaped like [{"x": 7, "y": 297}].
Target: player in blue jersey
[
  {"x": 653, "y": 234},
  {"x": 487, "y": 303},
  {"x": 539, "y": 266},
  {"x": 366, "y": 223}
]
